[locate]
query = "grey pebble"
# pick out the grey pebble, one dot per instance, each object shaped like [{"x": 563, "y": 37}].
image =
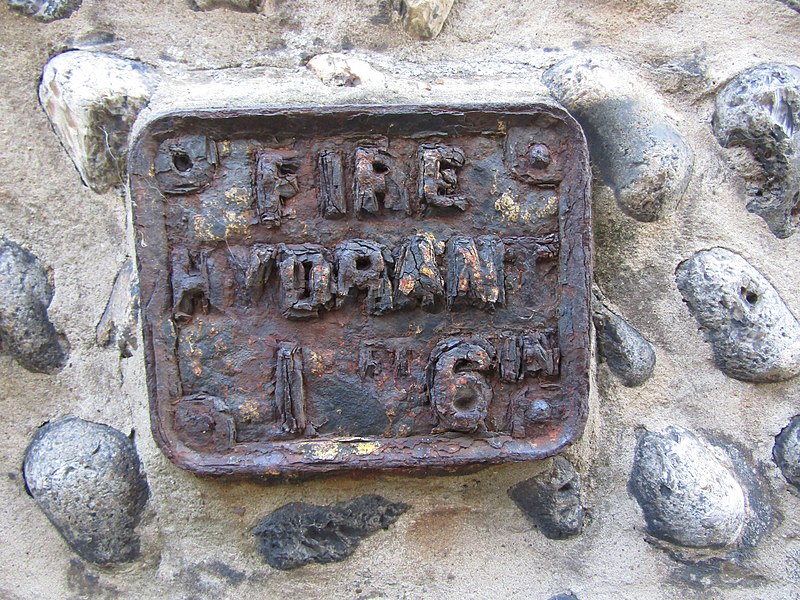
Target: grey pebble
[
  {"x": 552, "y": 500},
  {"x": 760, "y": 110},
  {"x": 297, "y": 534},
  {"x": 46, "y": 10},
  {"x": 626, "y": 351},
  {"x": 641, "y": 155},
  {"x": 753, "y": 334},
  {"x": 26, "y": 332},
  {"x": 88, "y": 479},
  {"x": 687, "y": 494},
  {"x": 786, "y": 451}
]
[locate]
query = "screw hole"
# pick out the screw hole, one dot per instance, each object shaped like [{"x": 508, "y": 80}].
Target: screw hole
[
  {"x": 181, "y": 162},
  {"x": 363, "y": 263},
  {"x": 749, "y": 296},
  {"x": 465, "y": 402}
]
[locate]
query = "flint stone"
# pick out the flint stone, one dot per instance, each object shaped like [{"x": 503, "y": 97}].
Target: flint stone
[
  {"x": 786, "y": 451},
  {"x": 688, "y": 496},
  {"x": 45, "y": 10},
  {"x": 92, "y": 100},
  {"x": 552, "y": 500},
  {"x": 564, "y": 596},
  {"x": 118, "y": 323},
  {"x": 626, "y": 351},
  {"x": 341, "y": 70},
  {"x": 235, "y": 5},
  {"x": 754, "y": 336},
  {"x": 424, "y": 19},
  {"x": 26, "y": 332},
  {"x": 760, "y": 110},
  {"x": 640, "y": 154},
  {"x": 299, "y": 533},
  {"x": 795, "y": 4},
  {"x": 87, "y": 478}
]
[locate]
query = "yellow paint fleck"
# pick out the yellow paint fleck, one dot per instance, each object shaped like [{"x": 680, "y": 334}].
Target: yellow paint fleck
[
  {"x": 508, "y": 207},
  {"x": 362, "y": 448},
  {"x": 550, "y": 209},
  {"x": 427, "y": 271},
  {"x": 407, "y": 285},
  {"x": 320, "y": 450},
  {"x": 249, "y": 411},
  {"x": 501, "y": 127},
  {"x": 314, "y": 361},
  {"x": 224, "y": 147}
]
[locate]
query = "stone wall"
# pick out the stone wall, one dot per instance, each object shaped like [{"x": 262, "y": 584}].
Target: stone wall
[{"x": 685, "y": 480}]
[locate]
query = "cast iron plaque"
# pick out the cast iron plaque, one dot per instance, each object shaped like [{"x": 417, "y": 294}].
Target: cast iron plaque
[{"x": 363, "y": 287}]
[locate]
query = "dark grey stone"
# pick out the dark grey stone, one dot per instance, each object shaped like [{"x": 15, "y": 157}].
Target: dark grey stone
[
  {"x": 760, "y": 110},
  {"x": 234, "y": 5},
  {"x": 786, "y": 451},
  {"x": 87, "y": 478},
  {"x": 299, "y": 533},
  {"x": 564, "y": 596},
  {"x": 121, "y": 316},
  {"x": 640, "y": 154},
  {"x": 552, "y": 500},
  {"x": 687, "y": 490},
  {"x": 46, "y": 10},
  {"x": 26, "y": 332},
  {"x": 626, "y": 351},
  {"x": 754, "y": 336}
]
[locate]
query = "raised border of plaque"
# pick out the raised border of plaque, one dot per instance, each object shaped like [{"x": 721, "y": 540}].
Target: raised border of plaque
[{"x": 363, "y": 287}]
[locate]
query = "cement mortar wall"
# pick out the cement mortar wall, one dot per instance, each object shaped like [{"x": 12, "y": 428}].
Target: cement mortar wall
[{"x": 463, "y": 537}]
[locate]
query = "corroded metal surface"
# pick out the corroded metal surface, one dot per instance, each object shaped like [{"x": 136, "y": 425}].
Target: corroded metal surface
[{"x": 363, "y": 287}]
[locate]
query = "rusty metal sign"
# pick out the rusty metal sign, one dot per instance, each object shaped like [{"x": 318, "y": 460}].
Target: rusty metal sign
[{"x": 363, "y": 287}]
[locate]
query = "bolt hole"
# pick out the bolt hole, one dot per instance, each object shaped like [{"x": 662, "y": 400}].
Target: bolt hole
[
  {"x": 749, "y": 296},
  {"x": 181, "y": 162},
  {"x": 465, "y": 401},
  {"x": 363, "y": 263},
  {"x": 380, "y": 167}
]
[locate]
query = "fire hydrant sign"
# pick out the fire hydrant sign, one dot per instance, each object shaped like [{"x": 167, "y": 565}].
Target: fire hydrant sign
[{"x": 369, "y": 287}]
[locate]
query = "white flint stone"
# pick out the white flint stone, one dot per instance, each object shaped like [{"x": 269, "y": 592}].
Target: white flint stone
[
  {"x": 92, "y": 100},
  {"x": 688, "y": 496},
  {"x": 424, "y": 19},
  {"x": 340, "y": 70}
]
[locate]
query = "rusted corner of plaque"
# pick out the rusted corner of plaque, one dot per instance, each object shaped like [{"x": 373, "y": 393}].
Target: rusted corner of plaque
[{"x": 346, "y": 288}]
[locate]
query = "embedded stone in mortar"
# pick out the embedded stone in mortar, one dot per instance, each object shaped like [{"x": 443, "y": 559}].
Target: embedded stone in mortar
[
  {"x": 626, "y": 351},
  {"x": 45, "y": 10},
  {"x": 760, "y": 110},
  {"x": 235, "y": 5},
  {"x": 119, "y": 320},
  {"x": 640, "y": 153},
  {"x": 87, "y": 478},
  {"x": 340, "y": 70},
  {"x": 297, "y": 534},
  {"x": 568, "y": 595},
  {"x": 754, "y": 336},
  {"x": 795, "y": 4},
  {"x": 688, "y": 496},
  {"x": 424, "y": 19},
  {"x": 92, "y": 100},
  {"x": 552, "y": 500},
  {"x": 786, "y": 451},
  {"x": 26, "y": 332}
]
